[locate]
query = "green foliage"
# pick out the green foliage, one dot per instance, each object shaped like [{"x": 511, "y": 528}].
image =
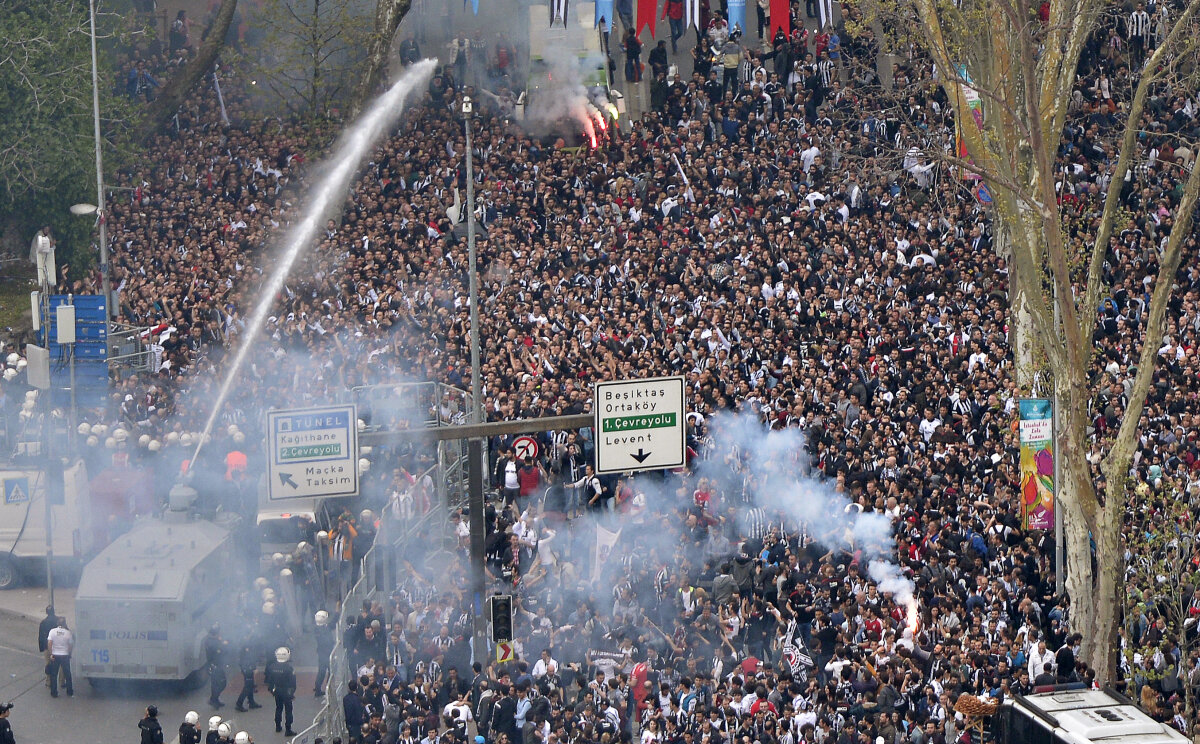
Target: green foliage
[
  {"x": 47, "y": 154},
  {"x": 1162, "y": 578}
]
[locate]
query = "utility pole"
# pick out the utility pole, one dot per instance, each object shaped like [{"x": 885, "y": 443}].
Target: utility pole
[
  {"x": 1059, "y": 543},
  {"x": 475, "y": 446},
  {"x": 105, "y": 280},
  {"x": 473, "y": 270}
]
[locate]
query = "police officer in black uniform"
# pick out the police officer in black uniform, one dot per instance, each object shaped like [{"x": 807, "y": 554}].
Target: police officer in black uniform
[
  {"x": 247, "y": 661},
  {"x": 325, "y": 643},
  {"x": 281, "y": 681},
  {"x": 152, "y": 732},
  {"x": 214, "y": 659},
  {"x": 6, "y": 732},
  {"x": 214, "y": 735},
  {"x": 189, "y": 732}
]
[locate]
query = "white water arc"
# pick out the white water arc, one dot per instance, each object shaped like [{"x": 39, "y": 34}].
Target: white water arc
[{"x": 327, "y": 195}]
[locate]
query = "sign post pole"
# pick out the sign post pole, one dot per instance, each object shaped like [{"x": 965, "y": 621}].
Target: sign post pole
[
  {"x": 1059, "y": 542},
  {"x": 478, "y": 545}
]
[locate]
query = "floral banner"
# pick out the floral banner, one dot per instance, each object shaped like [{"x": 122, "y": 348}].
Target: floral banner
[{"x": 1037, "y": 463}]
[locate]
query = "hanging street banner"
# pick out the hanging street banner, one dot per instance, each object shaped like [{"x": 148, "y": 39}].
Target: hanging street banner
[
  {"x": 1036, "y": 435},
  {"x": 975, "y": 104}
]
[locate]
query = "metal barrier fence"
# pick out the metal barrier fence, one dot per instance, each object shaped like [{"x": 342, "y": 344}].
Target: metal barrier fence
[
  {"x": 377, "y": 577},
  {"x": 384, "y": 407}
]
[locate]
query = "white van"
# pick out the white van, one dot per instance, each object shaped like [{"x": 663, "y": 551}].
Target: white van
[{"x": 23, "y": 523}]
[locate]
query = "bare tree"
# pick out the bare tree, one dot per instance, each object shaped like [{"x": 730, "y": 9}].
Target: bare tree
[
  {"x": 1021, "y": 69},
  {"x": 1161, "y": 602},
  {"x": 178, "y": 87},
  {"x": 388, "y": 15},
  {"x": 312, "y": 48}
]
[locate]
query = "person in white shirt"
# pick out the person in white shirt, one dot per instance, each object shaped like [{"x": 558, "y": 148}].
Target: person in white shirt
[
  {"x": 41, "y": 253},
  {"x": 61, "y": 642},
  {"x": 544, "y": 665},
  {"x": 1039, "y": 657}
]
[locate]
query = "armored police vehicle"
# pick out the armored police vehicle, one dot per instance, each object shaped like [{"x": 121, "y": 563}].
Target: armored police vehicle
[
  {"x": 1078, "y": 716},
  {"x": 146, "y": 602}
]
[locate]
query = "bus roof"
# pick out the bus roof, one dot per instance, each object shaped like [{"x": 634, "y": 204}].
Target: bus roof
[{"x": 1098, "y": 716}]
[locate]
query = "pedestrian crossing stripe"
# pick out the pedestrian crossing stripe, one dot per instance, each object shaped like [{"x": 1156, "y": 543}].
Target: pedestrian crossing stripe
[{"x": 16, "y": 490}]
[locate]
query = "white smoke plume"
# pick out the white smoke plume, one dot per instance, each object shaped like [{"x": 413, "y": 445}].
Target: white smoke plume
[
  {"x": 557, "y": 91},
  {"x": 776, "y": 463}
]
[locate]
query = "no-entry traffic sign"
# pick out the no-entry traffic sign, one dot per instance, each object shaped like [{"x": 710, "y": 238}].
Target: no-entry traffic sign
[{"x": 640, "y": 424}]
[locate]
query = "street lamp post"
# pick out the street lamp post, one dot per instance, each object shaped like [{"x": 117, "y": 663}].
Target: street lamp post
[
  {"x": 475, "y": 454},
  {"x": 472, "y": 269},
  {"x": 105, "y": 281}
]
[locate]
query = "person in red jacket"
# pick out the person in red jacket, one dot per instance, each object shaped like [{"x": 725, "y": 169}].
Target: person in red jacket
[
  {"x": 530, "y": 475},
  {"x": 673, "y": 12}
]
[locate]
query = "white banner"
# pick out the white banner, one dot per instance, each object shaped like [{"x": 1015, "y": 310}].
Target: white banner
[{"x": 606, "y": 540}]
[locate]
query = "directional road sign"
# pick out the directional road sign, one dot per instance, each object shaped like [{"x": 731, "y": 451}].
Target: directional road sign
[
  {"x": 312, "y": 452},
  {"x": 504, "y": 652},
  {"x": 640, "y": 424}
]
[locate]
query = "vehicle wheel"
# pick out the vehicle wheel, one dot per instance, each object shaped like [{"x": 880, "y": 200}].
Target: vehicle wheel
[{"x": 9, "y": 575}]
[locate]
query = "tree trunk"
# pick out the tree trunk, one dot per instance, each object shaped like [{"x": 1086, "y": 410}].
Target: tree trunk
[
  {"x": 1075, "y": 491},
  {"x": 178, "y": 87},
  {"x": 1022, "y": 338},
  {"x": 1078, "y": 558},
  {"x": 1109, "y": 587},
  {"x": 388, "y": 14}
]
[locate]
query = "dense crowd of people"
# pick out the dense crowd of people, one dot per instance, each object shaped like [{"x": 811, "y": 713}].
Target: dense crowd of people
[{"x": 777, "y": 228}]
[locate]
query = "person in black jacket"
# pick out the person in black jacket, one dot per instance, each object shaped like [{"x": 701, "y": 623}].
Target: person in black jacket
[
  {"x": 504, "y": 717},
  {"x": 189, "y": 732},
  {"x": 6, "y": 732},
  {"x": 49, "y": 623},
  {"x": 325, "y": 644},
  {"x": 355, "y": 713},
  {"x": 214, "y": 662},
  {"x": 281, "y": 682},
  {"x": 247, "y": 662},
  {"x": 152, "y": 732}
]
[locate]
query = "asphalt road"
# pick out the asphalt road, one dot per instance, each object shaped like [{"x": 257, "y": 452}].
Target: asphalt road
[{"x": 112, "y": 715}]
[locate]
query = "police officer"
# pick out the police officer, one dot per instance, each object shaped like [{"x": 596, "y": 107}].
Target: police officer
[
  {"x": 325, "y": 642},
  {"x": 152, "y": 732},
  {"x": 247, "y": 661},
  {"x": 224, "y": 733},
  {"x": 6, "y": 732},
  {"x": 189, "y": 732},
  {"x": 281, "y": 681},
  {"x": 212, "y": 737},
  {"x": 242, "y": 738},
  {"x": 214, "y": 659}
]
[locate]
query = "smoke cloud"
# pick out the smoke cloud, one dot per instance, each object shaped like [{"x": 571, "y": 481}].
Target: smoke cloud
[
  {"x": 774, "y": 464},
  {"x": 558, "y": 90}
]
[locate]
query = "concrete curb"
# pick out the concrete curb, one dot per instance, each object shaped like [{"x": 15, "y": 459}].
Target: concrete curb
[{"x": 9, "y": 613}]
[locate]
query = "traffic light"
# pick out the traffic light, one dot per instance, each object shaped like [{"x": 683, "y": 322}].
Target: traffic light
[{"x": 502, "y": 618}]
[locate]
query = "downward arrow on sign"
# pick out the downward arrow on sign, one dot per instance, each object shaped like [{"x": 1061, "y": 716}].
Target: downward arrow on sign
[
  {"x": 640, "y": 456},
  {"x": 285, "y": 479}
]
